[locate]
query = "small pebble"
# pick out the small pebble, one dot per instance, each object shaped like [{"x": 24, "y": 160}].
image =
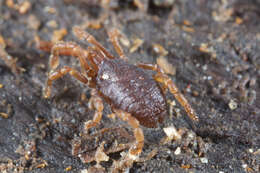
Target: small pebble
[
  {"x": 204, "y": 160},
  {"x": 172, "y": 133},
  {"x": 232, "y": 105},
  {"x": 52, "y": 24},
  {"x": 177, "y": 151},
  {"x": 244, "y": 165},
  {"x": 84, "y": 171},
  {"x": 50, "y": 10},
  {"x": 205, "y": 67}
]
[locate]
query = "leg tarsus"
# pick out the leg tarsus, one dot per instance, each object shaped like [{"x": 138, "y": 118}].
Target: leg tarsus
[
  {"x": 81, "y": 34},
  {"x": 134, "y": 151},
  {"x": 44, "y": 45},
  {"x": 149, "y": 156},
  {"x": 165, "y": 80},
  {"x": 97, "y": 104},
  {"x": 154, "y": 67},
  {"x": 113, "y": 36},
  {"x": 58, "y": 74}
]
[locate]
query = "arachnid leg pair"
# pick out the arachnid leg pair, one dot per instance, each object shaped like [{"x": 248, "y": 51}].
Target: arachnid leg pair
[
  {"x": 72, "y": 49},
  {"x": 90, "y": 60}
]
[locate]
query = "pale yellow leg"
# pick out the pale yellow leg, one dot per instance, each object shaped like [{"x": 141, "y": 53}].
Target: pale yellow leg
[
  {"x": 113, "y": 36},
  {"x": 132, "y": 156},
  {"x": 96, "y": 103},
  {"x": 136, "y": 149}
]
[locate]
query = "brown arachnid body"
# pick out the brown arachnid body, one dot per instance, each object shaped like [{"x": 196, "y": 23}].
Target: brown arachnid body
[{"x": 133, "y": 95}]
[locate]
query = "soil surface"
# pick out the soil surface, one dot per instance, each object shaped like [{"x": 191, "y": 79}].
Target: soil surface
[{"x": 212, "y": 52}]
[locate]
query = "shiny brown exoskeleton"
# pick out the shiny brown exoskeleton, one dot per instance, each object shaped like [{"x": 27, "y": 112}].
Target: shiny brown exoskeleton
[
  {"x": 129, "y": 88},
  {"x": 134, "y": 96}
]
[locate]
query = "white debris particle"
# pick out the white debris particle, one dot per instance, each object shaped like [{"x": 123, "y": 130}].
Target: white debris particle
[
  {"x": 232, "y": 105},
  {"x": 204, "y": 160},
  {"x": 244, "y": 166},
  {"x": 205, "y": 67},
  {"x": 105, "y": 76},
  {"x": 257, "y": 152},
  {"x": 132, "y": 157},
  {"x": 172, "y": 102},
  {"x": 220, "y": 172},
  {"x": 127, "y": 170},
  {"x": 227, "y": 69},
  {"x": 172, "y": 133},
  {"x": 250, "y": 150},
  {"x": 177, "y": 151},
  {"x": 124, "y": 41},
  {"x": 84, "y": 171},
  {"x": 191, "y": 135}
]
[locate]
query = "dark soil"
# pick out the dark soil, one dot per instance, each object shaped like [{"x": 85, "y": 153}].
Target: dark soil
[{"x": 214, "y": 46}]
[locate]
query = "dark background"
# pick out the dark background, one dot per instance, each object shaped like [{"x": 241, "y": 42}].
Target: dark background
[{"x": 214, "y": 46}]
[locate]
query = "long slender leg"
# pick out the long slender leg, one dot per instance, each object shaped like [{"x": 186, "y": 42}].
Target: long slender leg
[
  {"x": 81, "y": 34},
  {"x": 136, "y": 149},
  {"x": 58, "y": 74},
  {"x": 113, "y": 36},
  {"x": 153, "y": 67},
  {"x": 96, "y": 103},
  {"x": 166, "y": 81},
  {"x": 70, "y": 49},
  {"x": 10, "y": 61},
  {"x": 132, "y": 156},
  {"x": 44, "y": 45},
  {"x": 95, "y": 57}
]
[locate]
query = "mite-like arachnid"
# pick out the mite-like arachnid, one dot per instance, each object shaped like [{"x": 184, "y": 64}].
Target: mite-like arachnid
[{"x": 133, "y": 94}]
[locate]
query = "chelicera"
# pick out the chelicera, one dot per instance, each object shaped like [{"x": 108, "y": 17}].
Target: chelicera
[{"x": 133, "y": 94}]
